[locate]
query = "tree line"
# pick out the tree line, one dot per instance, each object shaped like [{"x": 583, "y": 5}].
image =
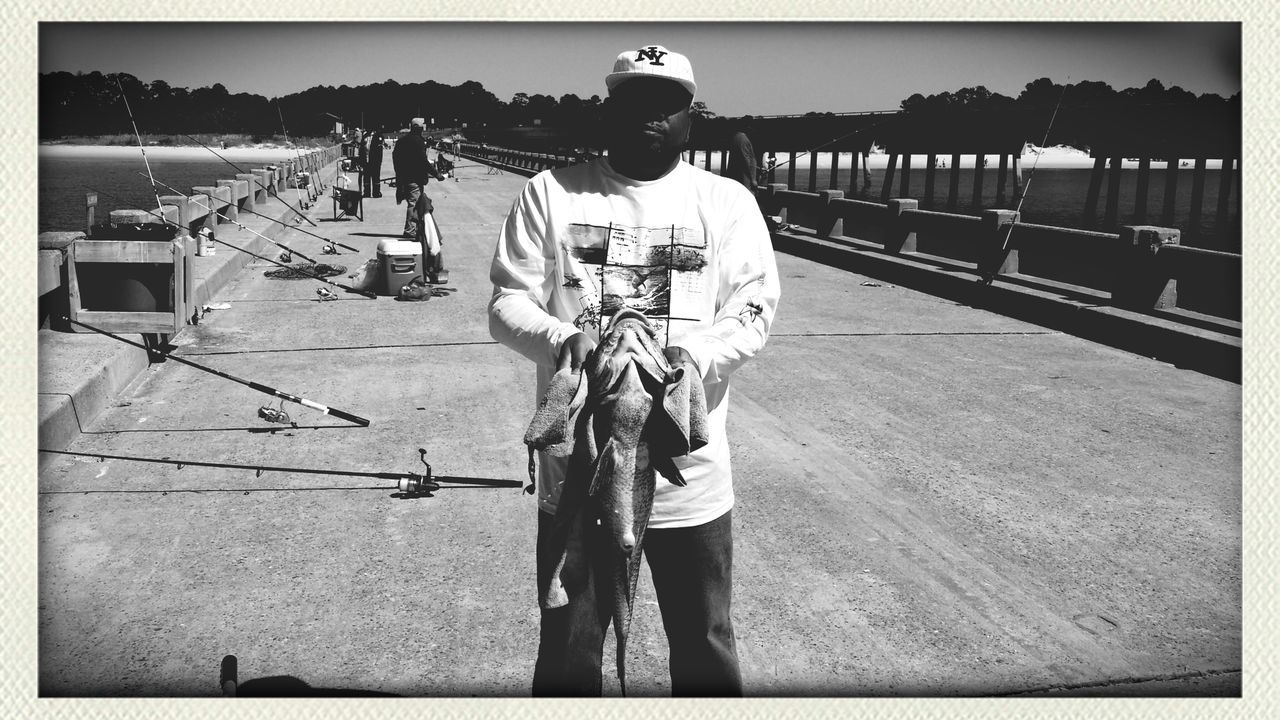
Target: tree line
[
  {"x": 1090, "y": 115},
  {"x": 90, "y": 104},
  {"x": 1086, "y": 114}
]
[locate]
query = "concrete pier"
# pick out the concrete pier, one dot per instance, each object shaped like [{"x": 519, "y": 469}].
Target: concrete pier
[{"x": 932, "y": 499}]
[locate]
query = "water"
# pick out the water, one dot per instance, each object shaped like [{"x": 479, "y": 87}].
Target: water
[
  {"x": 1055, "y": 196},
  {"x": 65, "y": 180}
]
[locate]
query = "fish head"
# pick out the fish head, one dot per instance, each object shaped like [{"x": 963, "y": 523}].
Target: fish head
[{"x": 629, "y": 339}]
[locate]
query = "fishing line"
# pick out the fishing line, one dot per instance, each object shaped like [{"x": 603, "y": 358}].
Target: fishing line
[
  {"x": 989, "y": 275},
  {"x": 255, "y": 180},
  {"x": 228, "y": 376},
  {"x": 138, "y": 135},
  {"x": 366, "y": 293},
  {"x": 304, "y": 232},
  {"x": 286, "y": 248},
  {"x": 297, "y": 188}
]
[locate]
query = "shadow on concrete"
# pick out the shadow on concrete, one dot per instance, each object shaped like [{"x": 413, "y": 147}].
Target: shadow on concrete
[{"x": 290, "y": 686}]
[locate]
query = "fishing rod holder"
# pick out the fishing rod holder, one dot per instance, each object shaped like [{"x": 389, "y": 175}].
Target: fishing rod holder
[{"x": 131, "y": 276}]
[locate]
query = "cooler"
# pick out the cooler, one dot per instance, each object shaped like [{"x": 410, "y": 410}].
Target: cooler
[{"x": 399, "y": 261}]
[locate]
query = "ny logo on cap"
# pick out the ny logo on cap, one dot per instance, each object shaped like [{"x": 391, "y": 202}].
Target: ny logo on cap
[{"x": 652, "y": 53}]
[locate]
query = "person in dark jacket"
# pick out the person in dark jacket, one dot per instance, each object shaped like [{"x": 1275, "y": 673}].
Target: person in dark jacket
[
  {"x": 373, "y": 166},
  {"x": 413, "y": 170},
  {"x": 741, "y": 165}
]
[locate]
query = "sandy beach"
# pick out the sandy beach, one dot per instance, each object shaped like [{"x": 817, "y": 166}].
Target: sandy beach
[{"x": 166, "y": 152}]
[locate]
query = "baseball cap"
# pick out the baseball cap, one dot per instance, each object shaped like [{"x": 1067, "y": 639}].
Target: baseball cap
[
  {"x": 420, "y": 122},
  {"x": 652, "y": 61}
]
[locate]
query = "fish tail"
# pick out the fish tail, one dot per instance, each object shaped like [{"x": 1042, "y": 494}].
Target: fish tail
[{"x": 622, "y": 667}]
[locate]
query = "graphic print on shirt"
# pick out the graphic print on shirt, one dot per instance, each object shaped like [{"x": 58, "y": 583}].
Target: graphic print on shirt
[{"x": 655, "y": 271}]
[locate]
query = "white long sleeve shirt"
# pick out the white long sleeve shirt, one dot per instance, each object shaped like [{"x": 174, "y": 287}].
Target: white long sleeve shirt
[{"x": 689, "y": 250}]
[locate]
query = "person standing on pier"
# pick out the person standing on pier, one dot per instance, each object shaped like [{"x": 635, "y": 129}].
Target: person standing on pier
[
  {"x": 373, "y": 165},
  {"x": 413, "y": 170},
  {"x": 641, "y": 202},
  {"x": 741, "y": 165}
]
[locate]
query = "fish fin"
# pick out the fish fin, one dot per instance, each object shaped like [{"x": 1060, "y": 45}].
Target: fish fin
[
  {"x": 606, "y": 465},
  {"x": 622, "y": 668}
]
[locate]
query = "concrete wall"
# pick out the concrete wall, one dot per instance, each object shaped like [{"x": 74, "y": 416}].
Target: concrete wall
[
  {"x": 205, "y": 206},
  {"x": 1140, "y": 268}
]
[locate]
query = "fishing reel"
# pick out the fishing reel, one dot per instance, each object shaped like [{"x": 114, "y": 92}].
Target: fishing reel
[
  {"x": 416, "y": 485},
  {"x": 276, "y": 415}
]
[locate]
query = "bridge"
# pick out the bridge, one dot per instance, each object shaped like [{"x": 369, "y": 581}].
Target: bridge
[{"x": 933, "y": 498}]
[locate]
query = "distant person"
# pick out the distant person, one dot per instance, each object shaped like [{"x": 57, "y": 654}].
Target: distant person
[
  {"x": 413, "y": 169},
  {"x": 373, "y": 165},
  {"x": 741, "y": 167},
  {"x": 742, "y": 161}
]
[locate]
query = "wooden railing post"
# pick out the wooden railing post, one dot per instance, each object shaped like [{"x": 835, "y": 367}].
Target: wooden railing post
[
  {"x": 1140, "y": 282},
  {"x": 91, "y": 202}
]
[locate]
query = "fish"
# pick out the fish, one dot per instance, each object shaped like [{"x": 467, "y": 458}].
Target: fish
[{"x": 622, "y": 419}]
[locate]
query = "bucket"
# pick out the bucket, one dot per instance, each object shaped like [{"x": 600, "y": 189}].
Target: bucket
[{"x": 399, "y": 261}]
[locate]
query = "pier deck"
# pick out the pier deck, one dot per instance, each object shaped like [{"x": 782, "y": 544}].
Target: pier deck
[{"x": 932, "y": 500}]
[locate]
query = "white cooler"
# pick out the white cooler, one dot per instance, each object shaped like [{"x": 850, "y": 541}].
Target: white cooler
[{"x": 399, "y": 261}]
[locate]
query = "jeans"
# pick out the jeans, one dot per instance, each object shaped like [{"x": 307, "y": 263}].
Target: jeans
[
  {"x": 692, "y": 572},
  {"x": 415, "y": 208},
  {"x": 372, "y": 181}
]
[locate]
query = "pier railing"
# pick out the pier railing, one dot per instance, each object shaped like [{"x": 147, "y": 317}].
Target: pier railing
[
  {"x": 70, "y": 258},
  {"x": 1140, "y": 268},
  {"x": 521, "y": 162}
]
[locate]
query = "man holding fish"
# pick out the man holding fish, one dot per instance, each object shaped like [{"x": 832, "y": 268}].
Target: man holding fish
[{"x": 654, "y": 256}]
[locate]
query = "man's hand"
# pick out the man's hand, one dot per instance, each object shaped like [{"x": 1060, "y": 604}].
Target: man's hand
[
  {"x": 676, "y": 355},
  {"x": 573, "y": 353}
]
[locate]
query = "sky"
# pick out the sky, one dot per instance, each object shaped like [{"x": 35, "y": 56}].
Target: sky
[{"x": 740, "y": 67}]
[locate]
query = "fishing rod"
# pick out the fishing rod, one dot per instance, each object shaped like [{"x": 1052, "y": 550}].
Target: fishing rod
[
  {"x": 228, "y": 376},
  {"x": 282, "y": 246},
  {"x": 989, "y": 275},
  {"x": 407, "y": 482},
  {"x": 304, "y": 232},
  {"x": 255, "y": 180},
  {"x": 138, "y": 135},
  {"x": 366, "y": 293},
  {"x": 297, "y": 188}
]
